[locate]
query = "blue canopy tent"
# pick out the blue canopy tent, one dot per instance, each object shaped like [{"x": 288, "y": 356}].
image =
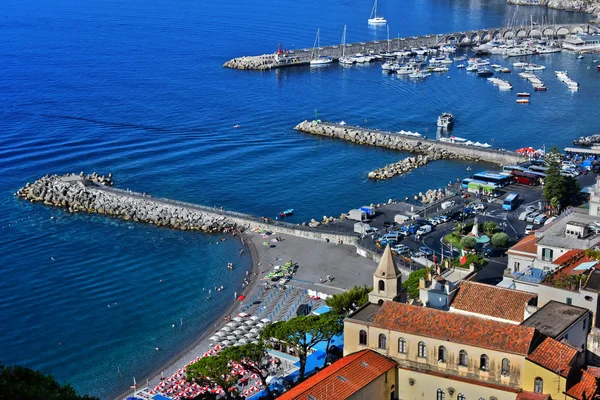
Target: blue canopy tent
[{"x": 321, "y": 310}]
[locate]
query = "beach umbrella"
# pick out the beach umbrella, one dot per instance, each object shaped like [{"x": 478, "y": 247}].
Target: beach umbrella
[
  {"x": 250, "y": 322},
  {"x": 214, "y": 338},
  {"x": 254, "y": 330},
  {"x": 243, "y": 314},
  {"x": 243, "y": 341},
  {"x": 242, "y": 297},
  {"x": 233, "y": 324},
  {"x": 265, "y": 320},
  {"x": 260, "y": 325},
  {"x": 220, "y": 334},
  {"x": 265, "y": 243},
  {"x": 254, "y": 318},
  {"x": 250, "y": 335},
  {"x": 231, "y": 337},
  {"x": 226, "y": 329},
  {"x": 226, "y": 343},
  {"x": 238, "y": 319}
]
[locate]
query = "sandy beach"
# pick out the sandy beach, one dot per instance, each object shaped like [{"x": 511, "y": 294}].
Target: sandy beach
[{"x": 316, "y": 261}]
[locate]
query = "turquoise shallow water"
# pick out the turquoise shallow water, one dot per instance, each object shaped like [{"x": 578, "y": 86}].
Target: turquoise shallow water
[{"x": 137, "y": 89}]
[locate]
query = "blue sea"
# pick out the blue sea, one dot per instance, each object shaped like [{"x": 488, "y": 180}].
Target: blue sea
[{"x": 136, "y": 88}]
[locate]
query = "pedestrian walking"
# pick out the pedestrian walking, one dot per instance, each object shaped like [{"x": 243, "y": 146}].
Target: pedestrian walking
[{"x": 321, "y": 280}]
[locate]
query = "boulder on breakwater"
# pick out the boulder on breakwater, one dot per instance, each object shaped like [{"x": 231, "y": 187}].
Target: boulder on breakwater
[
  {"x": 266, "y": 61},
  {"x": 587, "y": 140},
  {"x": 403, "y": 166},
  {"x": 92, "y": 194}
]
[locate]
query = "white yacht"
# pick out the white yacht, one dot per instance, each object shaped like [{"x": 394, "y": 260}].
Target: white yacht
[
  {"x": 445, "y": 121},
  {"x": 319, "y": 59},
  {"x": 534, "y": 67},
  {"x": 344, "y": 60},
  {"x": 406, "y": 70},
  {"x": 374, "y": 19},
  {"x": 419, "y": 75}
]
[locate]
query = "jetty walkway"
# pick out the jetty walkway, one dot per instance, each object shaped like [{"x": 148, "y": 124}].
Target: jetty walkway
[
  {"x": 465, "y": 38},
  {"x": 429, "y": 150},
  {"x": 93, "y": 194}
]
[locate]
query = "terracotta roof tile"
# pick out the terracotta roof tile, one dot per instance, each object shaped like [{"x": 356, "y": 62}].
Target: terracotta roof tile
[
  {"x": 554, "y": 356},
  {"x": 586, "y": 386},
  {"x": 492, "y": 301},
  {"x": 567, "y": 256},
  {"x": 343, "y": 378},
  {"x": 532, "y": 396},
  {"x": 454, "y": 327},
  {"x": 526, "y": 245}
]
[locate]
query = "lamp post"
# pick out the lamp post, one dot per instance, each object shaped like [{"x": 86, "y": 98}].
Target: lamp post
[{"x": 469, "y": 171}]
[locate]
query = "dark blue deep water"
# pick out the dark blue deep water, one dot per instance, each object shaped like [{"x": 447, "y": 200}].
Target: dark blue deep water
[{"x": 136, "y": 88}]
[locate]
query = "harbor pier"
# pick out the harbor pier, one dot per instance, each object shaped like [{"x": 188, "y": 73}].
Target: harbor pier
[
  {"x": 299, "y": 57},
  {"x": 430, "y": 150}
]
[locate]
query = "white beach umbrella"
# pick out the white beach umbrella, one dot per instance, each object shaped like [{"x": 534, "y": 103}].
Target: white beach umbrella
[
  {"x": 254, "y": 330},
  {"x": 232, "y": 338},
  {"x": 214, "y": 338},
  {"x": 250, "y": 335},
  {"x": 260, "y": 325},
  {"x": 265, "y": 321},
  {"x": 225, "y": 343},
  {"x": 250, "y": 322},
  {"x": 237, "y": 319},
  {"x": 233, "y": 324},
  {"x": 226, "y": 329},
  {"x": 243, "y": 341},
  {"x": 220, "y": 334},
  {"x": 243, "y": 314},
  {"x": 254, "y": 318}
]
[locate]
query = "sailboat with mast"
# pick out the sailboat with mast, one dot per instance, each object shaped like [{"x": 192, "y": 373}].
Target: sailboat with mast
[
  {"x": 374, "y": 19},
  {"x": 319, "y": 60},
  {"x": 344, "y": 59}
]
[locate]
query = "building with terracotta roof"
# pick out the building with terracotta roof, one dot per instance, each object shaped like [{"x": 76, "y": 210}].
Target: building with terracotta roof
[
  {"x": 362, "y": 375},
  {"x": 493, "y": 302}
]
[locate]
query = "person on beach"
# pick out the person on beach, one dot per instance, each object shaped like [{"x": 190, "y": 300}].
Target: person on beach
[{"x": 321, "y": 280}]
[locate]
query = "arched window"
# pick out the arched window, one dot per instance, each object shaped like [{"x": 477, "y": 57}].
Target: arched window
[
  {"x": 422, "y": 350},
  {"x": 381, "y": 285},
  {"x": 441, "y": 395},
  {"x": 538, "y": 385},
  {"x": 401, "y": 345},
  {"x": 362, "y": 337},
  {"x": 441, "y": 354},
  {"x": 382, "y": 341},
  {"x": 463, "y": 358},
  {"x": 505, "y": 367},
  {"x": 484, "y": 363},
  {"x": 461, "y": 397}
]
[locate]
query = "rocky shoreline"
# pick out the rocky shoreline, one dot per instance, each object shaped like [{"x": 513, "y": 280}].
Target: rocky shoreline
[
  {"x": 587, "y": 6},
  {"x": 587, "y": 140},
  {"x": 403, "y": 166},
  {"x": 266, "y": 61},
  {"x": 93, "y": 194}
]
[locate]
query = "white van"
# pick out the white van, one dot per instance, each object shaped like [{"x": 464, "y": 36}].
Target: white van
[{"x": 423, "y": 230}]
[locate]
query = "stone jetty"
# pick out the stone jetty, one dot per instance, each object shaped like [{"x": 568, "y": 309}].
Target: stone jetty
[
  {"x": 93, "y": 194},
  {"x": 587, "y": 140},
  {"x": 266, "y": 61},
  {"x": 430, "y": 150}
]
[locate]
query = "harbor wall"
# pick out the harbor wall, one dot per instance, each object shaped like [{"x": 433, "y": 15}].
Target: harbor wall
[
  {"x": 434, "y": 149},
  {"x": 93, "y": 194},
  {"x": 464, "y": 38}
]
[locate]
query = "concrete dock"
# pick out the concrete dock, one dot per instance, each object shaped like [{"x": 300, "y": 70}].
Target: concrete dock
[{"x": 298, "y": 57}]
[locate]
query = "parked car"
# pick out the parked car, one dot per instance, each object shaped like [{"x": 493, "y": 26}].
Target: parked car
[
  {"x": 400, "y": 249},
  {"x": 531, "y": 208},
  {"x": 523, "y": 216},
  {"x": 532, "y": 216},
  {"x": 444, "y": 218},
  {"x": 540, "y": 219},
  {"x": 529, "y": 229},
  {"x": 596, "y": 168},
  {"x": 492, "y": 252},
  {"x": 478, "y": 207},
  {"x": 424, "y": 230}
]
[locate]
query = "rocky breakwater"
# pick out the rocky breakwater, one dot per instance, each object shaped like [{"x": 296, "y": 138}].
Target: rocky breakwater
[
  {"x": 266, "y": 61},
  {"x": 92, "y": 194},
  {"x": 403, "y": 166},
  {"x": 587, "y": 140}
]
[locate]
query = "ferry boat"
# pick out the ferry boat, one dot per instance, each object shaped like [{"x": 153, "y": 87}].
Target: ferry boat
[
  {"x": 523, "y": 94},
  {"x": 286, "y": 213},
  {"x": 445, "y": 121},
  {"x": 374, "y": 19},
  {"x": 523, "y": 101}
]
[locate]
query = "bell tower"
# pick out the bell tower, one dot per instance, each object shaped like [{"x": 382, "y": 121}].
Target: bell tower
[{"x": 386, "y": 279}]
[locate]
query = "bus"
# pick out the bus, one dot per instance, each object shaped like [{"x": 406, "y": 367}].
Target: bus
[
  {"x": 465, "y": 183},
  {"x": 484, "y": 188},
  {"x": 526, "y": 178},
  {"x": 499, "y": 180},
  {"x": 511, "y": 168},
  {"x": 510, "y": 202}
]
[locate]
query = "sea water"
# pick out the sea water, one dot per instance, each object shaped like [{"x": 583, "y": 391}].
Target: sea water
[{"x": 136, "y": 88}]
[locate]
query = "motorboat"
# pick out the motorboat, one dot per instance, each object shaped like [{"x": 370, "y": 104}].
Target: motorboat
[
  {"x": 461, "y": 58},
  {"x": 463, "y": 66},
  {"x": 406, "y": 70},
  {"x": 390, "y": 66},
  {"x": 419, "y": 75},
  {"x": 523, "y": 101},
  {"x": 484, "y": 71},
  {"x": 520, "y": 64},
  {"x": 540, "y": 88},
  {"x": 286, "y": 213},
  {"x": 374, "y": 19},
  {"x": 445, "y": 121},
  {"x": 534, "y": 67},
  {"x": 523, "y": 94}
]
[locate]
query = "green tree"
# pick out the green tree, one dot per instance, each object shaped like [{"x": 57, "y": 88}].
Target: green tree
[
  {"x": 300, "y": 332},
  {"x": 558, "y": 188},
  {"x": 18, "y": 382},
  {"x": 500, "y": 239},
  {"x": 411, "y": 284},
  {"x": 330, "y": 325},
  {"x": 475, "y": 259},
  {"x": 253, "y": 357},
  {"x": 344, "y": 303},
  {"x": 490, "y": 228},
  {"x": 212, "y": 372},
  {"x": 468, "y": 242}
]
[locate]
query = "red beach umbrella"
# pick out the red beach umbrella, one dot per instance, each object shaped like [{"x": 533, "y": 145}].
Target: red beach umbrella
[{"x": 242, "y": 297}]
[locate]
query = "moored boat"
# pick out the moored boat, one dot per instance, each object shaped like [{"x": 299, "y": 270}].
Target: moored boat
[
  {"x": 374, "y": 19},
  {"x": 484, "y": 71},
  {"x": 523, "y": 94},
  {"x": 445, "y": 121},
  {"x": 523, "y": 101},
  {"x": 540, "y": 88},
  {"x": 286, "y": 213}
]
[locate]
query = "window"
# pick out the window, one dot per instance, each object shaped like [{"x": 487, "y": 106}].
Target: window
[
  {"x": 381, "y": 285},
  {"x": 463, "y": 358},
  {"x": 461, "y": 397},
  {"x": 505, "y": 367},
  {"x": 382, "y": 341},
  {"x": 401, "y": 345},
  {"x": 441, "y": 395},
  {"x": 547, "y": 254},
  {"x": 538, "y": 385},
  {"x": 422, "y": 350},
  {"x": 517, "y": 266},
  {"x": 441, "y": 354},
  {"x": 362, "y": 337},
  {"x": 484, "y": 363}
]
